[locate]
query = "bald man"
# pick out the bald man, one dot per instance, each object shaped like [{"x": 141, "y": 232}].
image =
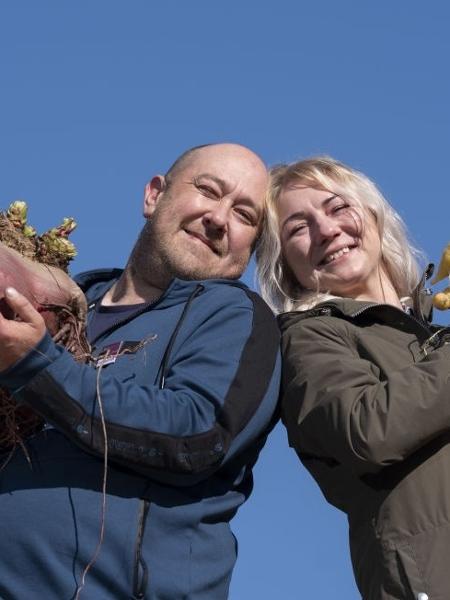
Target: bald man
[{"x": 180, "y": 395}]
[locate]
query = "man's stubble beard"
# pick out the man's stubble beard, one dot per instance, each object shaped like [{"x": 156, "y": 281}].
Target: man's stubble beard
[{"x": 158, "y": 259}]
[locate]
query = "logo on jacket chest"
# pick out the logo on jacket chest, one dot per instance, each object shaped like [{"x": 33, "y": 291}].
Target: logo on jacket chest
[{"x": 111, "y": 352}]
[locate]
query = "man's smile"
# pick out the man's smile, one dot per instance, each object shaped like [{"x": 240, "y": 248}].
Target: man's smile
[{"x": 205, "y": 240}]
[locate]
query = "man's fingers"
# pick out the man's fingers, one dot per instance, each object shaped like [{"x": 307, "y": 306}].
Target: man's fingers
[
  {"x": 19, "y": 336},
  {"x": 22, "y": 307},
  {"x": 5, "y": 310}
]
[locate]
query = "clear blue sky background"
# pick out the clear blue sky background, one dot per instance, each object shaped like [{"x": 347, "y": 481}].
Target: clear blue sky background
[{"x": 97, "y": 96}]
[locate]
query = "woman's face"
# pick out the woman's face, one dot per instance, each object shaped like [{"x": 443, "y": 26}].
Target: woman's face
[{"x": 329, "y": 245}]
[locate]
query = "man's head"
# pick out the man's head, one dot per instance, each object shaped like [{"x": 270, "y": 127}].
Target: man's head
[{"x": 204, "y": 216}]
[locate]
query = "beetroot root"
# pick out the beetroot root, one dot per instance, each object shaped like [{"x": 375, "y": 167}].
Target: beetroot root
[
  {"x": 51, "y": 291},
  {"x": 63, "y": 306}
]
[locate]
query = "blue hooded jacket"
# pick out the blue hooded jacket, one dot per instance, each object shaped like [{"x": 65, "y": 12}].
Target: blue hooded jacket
[{"x": 187, "y": 405}]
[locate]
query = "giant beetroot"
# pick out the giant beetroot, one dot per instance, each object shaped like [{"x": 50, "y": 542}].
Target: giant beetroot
[{"x": 36, "y": 265}]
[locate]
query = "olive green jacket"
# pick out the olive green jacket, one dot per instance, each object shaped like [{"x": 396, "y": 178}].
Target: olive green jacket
[{"x": 366, "y": 402}]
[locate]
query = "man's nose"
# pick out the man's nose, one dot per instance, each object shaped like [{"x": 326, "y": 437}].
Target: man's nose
[{"x": 217, "y": 216}]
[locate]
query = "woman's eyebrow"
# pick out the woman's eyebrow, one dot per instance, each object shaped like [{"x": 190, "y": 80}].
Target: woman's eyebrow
[
  {"x": 299, "y": 214},
  {"x": 330, "y": 199}
]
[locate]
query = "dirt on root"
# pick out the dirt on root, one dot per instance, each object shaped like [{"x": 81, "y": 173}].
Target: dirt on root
[{"x": 12, "y": 237}]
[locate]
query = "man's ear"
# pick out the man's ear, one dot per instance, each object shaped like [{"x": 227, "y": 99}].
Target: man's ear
[{"x": 152, "y": 192}]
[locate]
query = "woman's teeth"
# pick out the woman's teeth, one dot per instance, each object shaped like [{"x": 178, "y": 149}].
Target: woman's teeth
[{"x": 337, "y": 254}]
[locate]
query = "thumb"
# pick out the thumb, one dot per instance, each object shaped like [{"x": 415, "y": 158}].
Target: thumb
[{"x": 22, "y": 307}]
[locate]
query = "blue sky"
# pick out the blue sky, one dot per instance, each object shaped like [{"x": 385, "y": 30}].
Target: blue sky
[{"x": 99, "y": 95}]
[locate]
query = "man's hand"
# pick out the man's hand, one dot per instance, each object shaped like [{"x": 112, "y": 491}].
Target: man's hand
[{"x": 18, "y": 337}]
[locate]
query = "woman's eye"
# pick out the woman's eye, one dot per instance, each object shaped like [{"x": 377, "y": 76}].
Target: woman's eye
[
  {"x": 299, "y": 228},
  {"x": 340, "y": 207}
]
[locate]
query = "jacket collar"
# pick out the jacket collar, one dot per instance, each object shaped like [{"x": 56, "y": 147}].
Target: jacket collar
[
  {"x": 422, "y": 305},
  {"x": 96, "y": 283}
]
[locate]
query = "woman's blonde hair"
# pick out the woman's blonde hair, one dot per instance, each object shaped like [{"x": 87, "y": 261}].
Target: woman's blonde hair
[{"x": 278, "y": 285}]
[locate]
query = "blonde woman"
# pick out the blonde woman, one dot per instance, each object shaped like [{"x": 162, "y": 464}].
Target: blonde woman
[{"x": 366, "y": 383}]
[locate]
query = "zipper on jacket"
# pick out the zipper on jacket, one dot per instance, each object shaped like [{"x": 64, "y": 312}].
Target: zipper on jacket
[
  {"x": 140, "y": 571},
  {"x": 165, "y": 360},
  {"x": 438, "y": 339},
  {"x": 140, "y": 574}
]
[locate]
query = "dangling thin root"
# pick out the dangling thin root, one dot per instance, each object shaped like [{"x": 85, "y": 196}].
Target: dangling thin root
[
  {"x": 105, "y": 475},
  {"x": 90, "y": 564}
]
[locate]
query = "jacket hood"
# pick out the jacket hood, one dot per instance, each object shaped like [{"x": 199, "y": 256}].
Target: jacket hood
[{"x": 96, "y": 282}]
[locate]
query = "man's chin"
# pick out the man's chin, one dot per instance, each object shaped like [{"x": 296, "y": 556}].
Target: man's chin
[
  {"x": 191, "y": 266},
  {"x": 200, "y": 273}
]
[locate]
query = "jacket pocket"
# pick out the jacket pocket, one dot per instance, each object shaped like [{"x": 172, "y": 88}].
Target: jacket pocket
[{"x": 424, "y": 560}]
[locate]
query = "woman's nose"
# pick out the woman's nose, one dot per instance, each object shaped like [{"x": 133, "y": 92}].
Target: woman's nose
[{"x": 326, "y": 228}]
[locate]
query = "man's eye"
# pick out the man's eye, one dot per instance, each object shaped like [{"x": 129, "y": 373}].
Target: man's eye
[
  {"x": 245, "y": 216},
  {"x": 207, "y": 190}
]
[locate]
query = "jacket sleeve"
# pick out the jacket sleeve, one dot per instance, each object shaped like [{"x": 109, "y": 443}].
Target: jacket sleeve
[
  {"x": 221, "y": 382},
  {"x": 336, "y": 407}
]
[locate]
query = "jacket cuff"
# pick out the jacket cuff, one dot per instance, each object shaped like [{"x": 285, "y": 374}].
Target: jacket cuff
[{"x": 38, "y": 358}]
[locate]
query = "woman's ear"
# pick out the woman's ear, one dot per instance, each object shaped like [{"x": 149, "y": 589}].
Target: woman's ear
[{"x": 152, "y": 193}]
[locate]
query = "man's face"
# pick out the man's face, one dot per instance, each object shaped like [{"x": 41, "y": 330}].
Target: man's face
[{"x": 204, "y": 223}]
